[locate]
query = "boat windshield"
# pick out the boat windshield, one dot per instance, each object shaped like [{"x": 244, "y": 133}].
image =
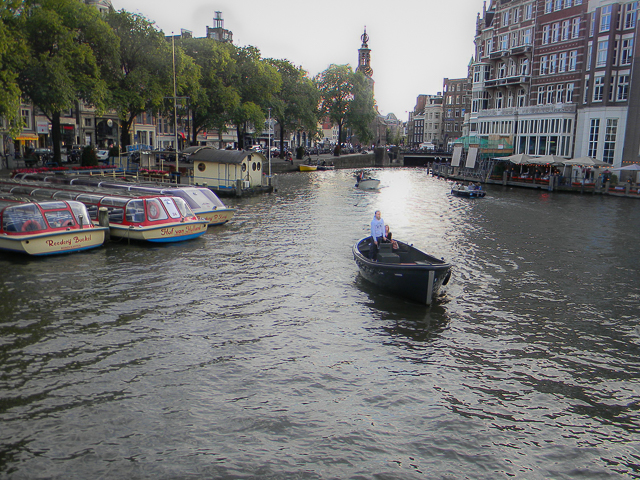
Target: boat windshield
[
  {"x": 81, "y": 213},
  {"x": 135, "y": 211},
  {"x": 171, "y": 206},
  {"x": 59, "y": 218},
  {"x": 23, "y": 218},
  {"x": 185, "y": 211},
  {"x": 155, "y": 211}
]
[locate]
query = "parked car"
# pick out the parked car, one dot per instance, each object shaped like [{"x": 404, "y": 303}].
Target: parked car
[{"x": 103, "y": 155}]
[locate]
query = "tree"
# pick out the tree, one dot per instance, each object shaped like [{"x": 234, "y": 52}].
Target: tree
[
  {"x": 12, "y": 54},
  {"x": 217, "y": 98},
  {"x": 347, "y": 99},
  {"x": 295, "y": 106},
  {"x": 69, "y": 47},
  {"x": 256, "y": 82},
  {"x": 145, "y": 73}
]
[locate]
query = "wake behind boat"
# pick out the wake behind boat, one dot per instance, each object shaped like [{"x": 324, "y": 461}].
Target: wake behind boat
[{"x": 407, "y": 271}]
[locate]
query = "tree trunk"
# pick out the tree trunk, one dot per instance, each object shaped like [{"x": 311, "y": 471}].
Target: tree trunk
[
  {"x": 55, "y": 137},
  {"x": 337, "y": 151},
  {"x": 281, "y": 141},
  {"x": 125, "y": 135}
]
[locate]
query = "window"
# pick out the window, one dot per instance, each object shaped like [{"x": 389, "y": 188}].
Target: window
[
  {"x": 505, "y": 18},
  {"x": 540, "y": 95},
  {"x": 573, "y": 60},
  {"x": 622, "y": 92},
  {"x": 546, "y": 34},
  {"x": 566, "y": 27},
  {"x": 476, "y": 74},
  {"x": 489, "y": 46},
  {"x": 627, "y": 51},
  {"x": 605, "y": 18},
  {"x": 524, "y": 66},
  {"x": 548, "y": 6},
  {"x": 630, "y": 15},
  {"x": 549, "y": 93},
  {"x": 592, "y": 27},
  {"x": 543, "y": 65},
  {"x": 553, "y": 62},
  {"x": 510, "y": 99},
  {"x": 601, "y": 55},
  {"x": 585, "y": 99},
  {"x": 528, "y": 11},
  {"x": 26, "y": 118},
  {"x": 562, "y": 64},
  {"x": 610, "y": 135},
  {"x": 567, "y": 3},
  {"x": 569, "y": 92},
  {"x": 555, "y": 32},
  {"x": 614, "y": 57},
  {"x": 560, "y": 94},
  {"x": 498, "y": 103},
  {"x": 558, "y": 5},
  {"x": 522, "y": 98},
  {"x": 577, "y": 2},
  {"x": 575, "y": 27},
  {"x": 87, "y": 122},
  {"x": 514, "y": 39},
  {"x": 504, "y": 42},
  {"x": 598, "y": 89},
  {"x": 589, "y": 55},
  {"x": 594, "y": 132},
  {"x": 612, "y": 82},
  {"x": 526, "y": 36},
  {"x": 515, "y": 15}
]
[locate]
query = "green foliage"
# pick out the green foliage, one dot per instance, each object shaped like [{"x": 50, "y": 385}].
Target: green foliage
[
  {"x": 89, "y": 157},
  {"x": 114, "y": 151},
  {"x": 347, "y": 99},
  {"x": 300, "y": 152},
  {"x": 12, "y": 55}
]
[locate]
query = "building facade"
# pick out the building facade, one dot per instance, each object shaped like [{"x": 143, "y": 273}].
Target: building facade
[{"x": 456, "y": 103}]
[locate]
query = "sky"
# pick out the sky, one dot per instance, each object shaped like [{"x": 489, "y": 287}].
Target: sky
[{"x": 414, "y": 44}]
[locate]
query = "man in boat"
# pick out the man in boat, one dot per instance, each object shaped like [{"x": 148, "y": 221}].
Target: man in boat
[{"x": 377, "y": 234}]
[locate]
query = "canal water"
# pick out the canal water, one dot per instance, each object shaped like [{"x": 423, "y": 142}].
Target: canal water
[{"x": 258, "y": 352}]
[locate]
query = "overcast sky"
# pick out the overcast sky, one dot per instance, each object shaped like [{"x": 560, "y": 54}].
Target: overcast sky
[{"x": 414, "y": 43}]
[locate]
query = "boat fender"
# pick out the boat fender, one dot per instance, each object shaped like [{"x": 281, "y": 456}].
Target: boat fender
[
  {"x": 446, "y": 279},
  {"x": 31, "y": 225},
  {"x": 154, "y": 212}
]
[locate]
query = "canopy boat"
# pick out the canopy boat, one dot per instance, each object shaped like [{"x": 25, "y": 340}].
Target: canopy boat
[
  {"x": 46, "y": 228},
  {"x": 204, "y": 203},
  {"x": 467, "y": 191},
  {"x": 365, "y": 182},
  {"x": 156, "y": 218},
  {"x": 407, "y": 271}
]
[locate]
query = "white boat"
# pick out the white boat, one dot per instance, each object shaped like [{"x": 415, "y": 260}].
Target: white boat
[
  {"x": 46, "y": 228},
  {"x": 368, "y": 184}
]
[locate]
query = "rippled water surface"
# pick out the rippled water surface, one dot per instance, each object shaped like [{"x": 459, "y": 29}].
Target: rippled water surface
[{"x": 257, "y": 351}]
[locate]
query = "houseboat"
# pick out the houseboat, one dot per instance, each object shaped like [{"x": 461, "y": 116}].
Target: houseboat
[{"x": 47, "y": 227}]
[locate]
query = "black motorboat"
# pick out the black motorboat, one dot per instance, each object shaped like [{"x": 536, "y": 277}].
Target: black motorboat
[{"x": 406, "y": 271}]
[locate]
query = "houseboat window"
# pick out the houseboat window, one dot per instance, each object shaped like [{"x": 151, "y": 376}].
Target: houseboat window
[
  {"x": 171, "y": 206},
  {"x": 155, "y": 211},
  {"x": 22, "y": 218},
  {"x": 260, "y": 166},
  {"x": 59, "y": 218},
  {"x": 89, "y": 199},
  {"x": 80, "y": 212},
  {"x": 135, "y": 211},
  {"x": 201, "y": 167},
  {"x": 253, "y": 167},
  {"x": 185, "y": 211}
]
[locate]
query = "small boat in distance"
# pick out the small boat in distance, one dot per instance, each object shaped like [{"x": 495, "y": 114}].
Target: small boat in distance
[
  {"x": 46, "y": 228},
  {"x": 467, "y": 191},
  {"x": 407, "y": 271},
  {"x": 364, "y": 182}
]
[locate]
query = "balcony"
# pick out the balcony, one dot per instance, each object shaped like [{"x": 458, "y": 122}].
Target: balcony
[
  {"x": 531, "y": 110},
  {"x": 521, "y": 50},
  {"x": 499, "y": 54},
  {"x": 507, "y": 81}
]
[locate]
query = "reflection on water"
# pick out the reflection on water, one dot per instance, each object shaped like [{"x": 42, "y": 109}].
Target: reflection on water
[{"x": 257, "y": 351}]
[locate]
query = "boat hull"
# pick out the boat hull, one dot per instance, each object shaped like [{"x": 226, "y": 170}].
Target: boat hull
[
  {"x": 468, "y": 193},
  {"x": 219, "y": 216},
  {"x": 419, "y": 278},
  {"x": 308, "y": 168},
  {"x": 170, "y": 232},
  {"x": 368, "y": 184},
  {"x": 53, "y": 243}
]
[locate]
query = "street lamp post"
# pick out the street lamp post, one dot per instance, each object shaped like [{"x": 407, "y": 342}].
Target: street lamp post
[{"x": 269, "y": 152}]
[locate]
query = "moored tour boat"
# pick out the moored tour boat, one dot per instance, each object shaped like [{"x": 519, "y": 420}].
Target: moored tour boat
[
  {"x": 156, "y": 218},
  {"x": 204, "y": 203},
  {"x": 407, "y": 271},
  {"x": 46, "y": 228}
]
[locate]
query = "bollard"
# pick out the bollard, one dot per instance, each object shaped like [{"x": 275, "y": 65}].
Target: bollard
[
  {"x": 239, "y": 188},
  {"x": 103, "y": 221}
]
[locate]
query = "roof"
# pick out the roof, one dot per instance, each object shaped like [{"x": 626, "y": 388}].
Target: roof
[{"x": 210, "y": 154}]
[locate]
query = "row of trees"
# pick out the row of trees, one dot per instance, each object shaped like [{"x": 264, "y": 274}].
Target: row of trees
[{"x": 55, "y": 53}]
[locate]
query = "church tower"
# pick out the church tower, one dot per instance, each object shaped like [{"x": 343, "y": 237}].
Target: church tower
[{"x": 364, "y": 59}]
